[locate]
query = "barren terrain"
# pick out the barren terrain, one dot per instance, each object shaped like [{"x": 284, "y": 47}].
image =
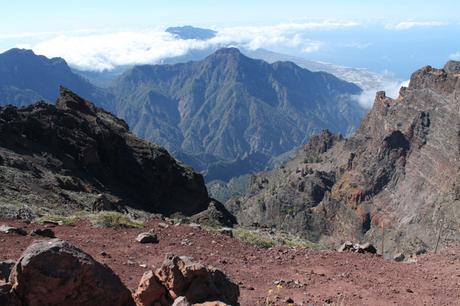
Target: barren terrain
[{"x": 276, "y": 276}]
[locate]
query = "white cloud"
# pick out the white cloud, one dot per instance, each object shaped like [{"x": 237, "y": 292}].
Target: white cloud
[
  {"x": 455, "y": 56},
  {"x": 391, "y": 88},
  {"x": 99, "y": 51},
  {"x": 405, "y": 25},
  {"x": 105, "y": 51},
  {"x": 312, "y": 46}
]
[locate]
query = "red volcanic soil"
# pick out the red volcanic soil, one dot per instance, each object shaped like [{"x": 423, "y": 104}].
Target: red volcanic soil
[{"x": 307, "y": 277}]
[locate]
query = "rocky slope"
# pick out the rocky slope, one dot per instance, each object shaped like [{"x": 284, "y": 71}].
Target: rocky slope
[
  {"x": 229, "y": 114},
  {"x": 75, "y": 156},
  {"x": 399, "y": 172}
]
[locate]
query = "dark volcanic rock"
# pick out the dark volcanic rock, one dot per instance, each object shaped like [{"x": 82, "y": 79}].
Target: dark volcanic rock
[
  {"x": 7, "y": 297},
  {"x": 46, "y": 232},
  {"x": 5, "y": 269},
  {"x": 67, "y": 275},
  {"x": 215, "y": 215},
  {"x": 62, "y": 157},
  {"x": 399, "y": 172}
]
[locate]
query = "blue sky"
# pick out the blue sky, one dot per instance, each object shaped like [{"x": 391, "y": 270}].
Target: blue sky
[
  {"x": 393, "y": 37},
  {"x": 49, "y": 15}
]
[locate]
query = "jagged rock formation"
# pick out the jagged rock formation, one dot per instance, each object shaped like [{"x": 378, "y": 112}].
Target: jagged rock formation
[
  {"x": 400, "y": 171},
  {"x": 229, "y": 114},
  {"x": 64, "y": 157}
]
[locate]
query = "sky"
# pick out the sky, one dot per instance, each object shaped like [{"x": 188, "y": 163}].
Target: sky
[{"x": 389, "y": 37}]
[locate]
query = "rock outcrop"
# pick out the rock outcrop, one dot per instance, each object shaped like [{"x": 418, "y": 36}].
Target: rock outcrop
[
  {"x": 183, "y": 282},
  {"x": 55, "y": 272},
  {"x": 399, "y": 172},
  {"x": 75, "y": 156}
]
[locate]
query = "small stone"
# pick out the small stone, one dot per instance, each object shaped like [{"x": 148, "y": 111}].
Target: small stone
[
  {"x": 195, "y": 226},
  {"x": 399, "y": 257},
  {"x": 147, "y": 237},
  {"x": 226, "y": 231},
  {"x": 12, "y": 230},
  {"x": 420, "y": 251},
  {"x": 290, "y": 301},
  {"x": 181, "y": 301},
  {"x": 346, "y": 246},
  {"x": 163, "y": 225},
  {"x": 366, "y": 248},
  {"x": 46, "y": 232}
]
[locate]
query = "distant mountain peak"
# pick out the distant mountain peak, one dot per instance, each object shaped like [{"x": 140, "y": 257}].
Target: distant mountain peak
[
  {"x": 19, "y": 51},
  {"x": 228, "y": 53},
  {"x": 190, "y": 32}
]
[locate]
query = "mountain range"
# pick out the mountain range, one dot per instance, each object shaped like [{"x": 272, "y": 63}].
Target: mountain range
[
  {"x": 398, "y": 174},
  {"x": 229, "y": 108},
  {"x": 26, "y": 77},
  {"x": 226, "y": 115}
]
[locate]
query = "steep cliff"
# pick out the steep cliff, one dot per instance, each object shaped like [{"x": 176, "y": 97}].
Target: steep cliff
[
  {"x": 63, "y": 157},
  {"x": 399, "y": 172}
]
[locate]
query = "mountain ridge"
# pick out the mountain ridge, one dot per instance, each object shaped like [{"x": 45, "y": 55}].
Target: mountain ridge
[
  {"x": 74, "y": 156},
  {"x": 398, "y": 172}
]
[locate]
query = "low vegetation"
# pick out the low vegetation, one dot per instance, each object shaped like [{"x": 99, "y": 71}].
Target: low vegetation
[
  {"x": 101, "y": 219},
  {"x": 267, "y": 240},
  {"x": 114, "y": 220},
  {"x": 65, "y": 220}
]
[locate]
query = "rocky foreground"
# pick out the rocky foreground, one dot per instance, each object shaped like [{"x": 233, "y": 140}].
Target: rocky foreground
[{"x": 274, "y": 276}]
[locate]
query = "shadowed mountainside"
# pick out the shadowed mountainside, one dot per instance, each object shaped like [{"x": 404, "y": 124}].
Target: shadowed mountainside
[{"x": 62, "y": 157}]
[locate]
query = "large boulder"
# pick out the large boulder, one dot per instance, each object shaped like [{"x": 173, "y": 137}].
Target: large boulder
[
  {"x": 198, "y": 283},
  {"x": 54, "y": 272}
]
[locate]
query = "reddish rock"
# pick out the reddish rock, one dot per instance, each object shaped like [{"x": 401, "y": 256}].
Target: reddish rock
[
  {"x": 196, "y": 282},
  {"x": 54, "y": 272},
  {"x": 149, "y": 291}
]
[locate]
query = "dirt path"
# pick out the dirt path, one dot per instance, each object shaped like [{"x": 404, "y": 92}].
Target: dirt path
[{"x": 277, "y": 276}]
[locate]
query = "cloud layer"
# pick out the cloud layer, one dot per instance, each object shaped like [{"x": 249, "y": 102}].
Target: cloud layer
[
  {"x": 455, "y": 56},
  {"x": 107, "y": 50},
  {"x": 406, "y": 25},
  {"x": 391, "y": 88}
]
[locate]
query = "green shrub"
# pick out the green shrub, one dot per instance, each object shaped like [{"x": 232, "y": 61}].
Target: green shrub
[
  {"x": 114, "y": 220},
  {"x": 66, "y": 220},
  {"x": 254, "y": 238}
]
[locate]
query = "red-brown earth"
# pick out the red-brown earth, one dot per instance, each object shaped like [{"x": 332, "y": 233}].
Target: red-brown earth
[{"x": 266, "y": 276}]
